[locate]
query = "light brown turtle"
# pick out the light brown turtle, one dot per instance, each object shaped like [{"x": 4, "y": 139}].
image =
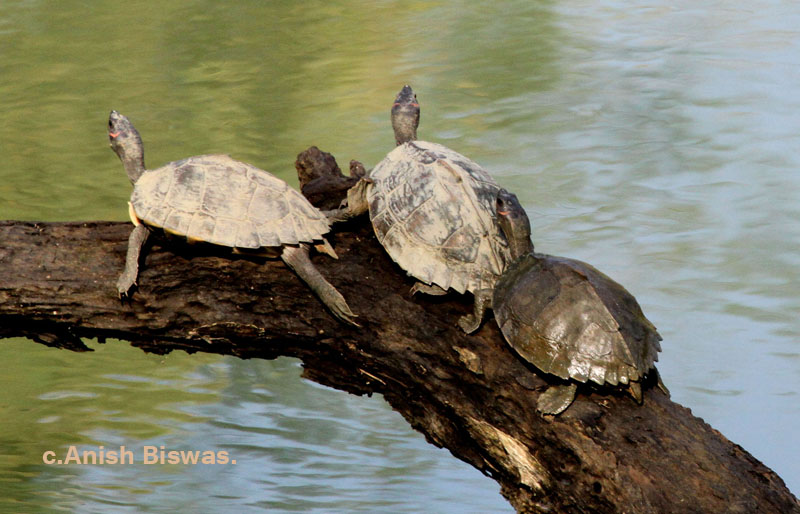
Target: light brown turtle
[
  {"x": 568, "y": 319},
  {"x": 218, "y": 200},
  {"x": 433, "y": 210}
]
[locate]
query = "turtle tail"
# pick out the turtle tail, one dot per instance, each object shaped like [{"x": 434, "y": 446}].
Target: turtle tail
[{"x": 326, "y": 248}]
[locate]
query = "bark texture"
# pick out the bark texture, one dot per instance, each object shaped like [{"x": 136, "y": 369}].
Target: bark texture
[{"x": 470, "y": 394}]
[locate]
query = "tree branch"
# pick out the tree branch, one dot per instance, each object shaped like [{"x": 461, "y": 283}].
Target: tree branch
[{"x": 470, "y": 394}]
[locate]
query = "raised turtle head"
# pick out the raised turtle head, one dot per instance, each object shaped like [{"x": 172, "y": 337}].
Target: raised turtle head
[
  {"x": 405, "y": 115},
  {"x": 514, "y": 223},
  {"x": 127, "y": 144}
]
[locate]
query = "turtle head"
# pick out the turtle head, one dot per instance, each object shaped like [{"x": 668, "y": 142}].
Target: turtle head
[
  {"x": 514, "y": 223},
  {"x": 127, "y": 144},
  {"x": 405, "y": 115}
]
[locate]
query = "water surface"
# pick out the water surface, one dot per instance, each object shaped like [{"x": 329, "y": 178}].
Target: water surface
[{"x": 656, "y": 140}]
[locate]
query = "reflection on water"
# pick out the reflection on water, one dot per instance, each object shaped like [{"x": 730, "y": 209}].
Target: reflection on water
[
  {"x": 297, "y": 445},
  {"x": 657, "y": 141}
]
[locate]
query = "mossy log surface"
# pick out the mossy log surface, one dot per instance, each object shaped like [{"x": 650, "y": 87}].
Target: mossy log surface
[{"x": 469, "y": 394}]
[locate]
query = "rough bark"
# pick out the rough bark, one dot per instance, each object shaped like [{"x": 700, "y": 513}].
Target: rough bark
[{"x": 470, "y": 394}]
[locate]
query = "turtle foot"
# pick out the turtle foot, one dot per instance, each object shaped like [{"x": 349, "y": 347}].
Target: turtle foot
[
  {"x": 469, "y": 323},
  {"x": 432, "y": 289},
  {"x": 556, "y": 399},
  {"x": 357, "y": 198},
  {"x": 125, "y": 286},
  {"x": 296, "y": 257},
  {"x": 338, "y": 215},
  {"x": 340, "y": 309}
]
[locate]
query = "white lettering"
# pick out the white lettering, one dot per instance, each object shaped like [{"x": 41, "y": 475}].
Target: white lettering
[
  {"x": 48, "y": 457},
  {"x": 73, "y": 457}
]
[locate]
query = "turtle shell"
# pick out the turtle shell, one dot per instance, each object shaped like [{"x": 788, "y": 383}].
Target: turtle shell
[
  {"x": 433, "y": 210},
  {"x": 219, "y": 200},
  {"x": 567, "y": 318}
]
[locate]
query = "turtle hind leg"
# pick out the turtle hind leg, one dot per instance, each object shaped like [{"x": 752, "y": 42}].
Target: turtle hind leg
[
  {"x": 296, "y": 257},
  {"x": 469, "y": 323},
  {"x": 556, "y": 399},
  {"x": 129, "y": 276}
]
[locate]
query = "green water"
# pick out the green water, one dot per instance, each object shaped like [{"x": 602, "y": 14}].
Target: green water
[{"x": 655, "y": 140}]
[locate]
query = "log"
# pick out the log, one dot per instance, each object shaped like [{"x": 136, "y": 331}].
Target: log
[{"x": 469, "y": 394}]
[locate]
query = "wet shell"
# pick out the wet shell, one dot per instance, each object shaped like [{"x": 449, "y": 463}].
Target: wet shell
[
  {"x": 567, "y": 318},
  {"x": 433, "y": 210},
  {"x": 219, "y": 200}
]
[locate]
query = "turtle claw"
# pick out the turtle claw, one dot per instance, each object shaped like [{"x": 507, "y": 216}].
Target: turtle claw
[
  {"x": 344, "y": 314},
  {"x": 125, "y": 287},
  {"x": 297, "y": 259},
  {"x": 336, "y": 303},
  {"x": 556, "y": 399}
]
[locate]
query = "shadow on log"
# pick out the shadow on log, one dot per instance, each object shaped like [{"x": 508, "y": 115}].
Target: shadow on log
[{"x": 469, "y": 394}]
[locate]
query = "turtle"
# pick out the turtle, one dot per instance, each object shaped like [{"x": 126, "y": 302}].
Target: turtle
[
  {"x": 433, "y": 210},
  {"x": 568, "y": 319},
  {"x": 218, "y": 200}
]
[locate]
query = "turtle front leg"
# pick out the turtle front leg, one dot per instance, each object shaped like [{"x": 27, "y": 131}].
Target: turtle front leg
[
  {"x": 469, "y": 323},
  {"x": 128, "y": 278},
  {"x": 356, "y": 203},
  {"x": 556, "y": 399},
  {"x": 421, "y": 287},
  {"x": 296, "y": 257}
]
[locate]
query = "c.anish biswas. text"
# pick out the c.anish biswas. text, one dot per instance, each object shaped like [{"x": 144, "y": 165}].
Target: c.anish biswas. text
[{"x": 126, "y": 456}]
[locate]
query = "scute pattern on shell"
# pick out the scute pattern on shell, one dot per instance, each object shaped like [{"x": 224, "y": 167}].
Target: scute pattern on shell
[
  {"x": 433, "y": 210},
  {"x": 220, "y": 200},
  {"x": 569, "y": 319}
]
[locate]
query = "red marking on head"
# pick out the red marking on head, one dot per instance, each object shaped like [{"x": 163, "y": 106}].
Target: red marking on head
[
  {"x": 112, "y": 135},
  {"x": 503, "y": 213}
]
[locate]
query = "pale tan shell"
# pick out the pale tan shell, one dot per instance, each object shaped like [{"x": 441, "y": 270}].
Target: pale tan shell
[
  {"x": 220, "y": 200},
  {"x": 433, "y": 210}
]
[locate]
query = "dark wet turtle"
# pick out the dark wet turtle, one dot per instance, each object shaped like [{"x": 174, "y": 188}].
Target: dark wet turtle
[
  {"x": 433, "y": 210},
  {"x": 568, "y": 319},
  {"x": 218, "y": 200}
]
